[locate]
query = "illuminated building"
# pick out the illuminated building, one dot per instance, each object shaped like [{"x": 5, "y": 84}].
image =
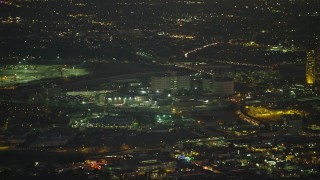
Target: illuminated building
[
  {"x": 172, "y": 83},
  {"x": 310, "y": 67},
  {"x": 180, "y": 82},
  {"x": 223, "y": 86},
  {"x": 160, "y": 83}
]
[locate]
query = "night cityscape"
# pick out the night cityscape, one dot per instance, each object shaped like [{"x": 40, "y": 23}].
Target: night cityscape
[{"x": 159, "y": 89}]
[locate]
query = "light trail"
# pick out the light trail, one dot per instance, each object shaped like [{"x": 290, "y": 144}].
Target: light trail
[{"x": 199, "y": 49}]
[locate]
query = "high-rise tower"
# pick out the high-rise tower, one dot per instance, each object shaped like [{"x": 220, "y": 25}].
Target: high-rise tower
[{"x": 310, "y": 67}]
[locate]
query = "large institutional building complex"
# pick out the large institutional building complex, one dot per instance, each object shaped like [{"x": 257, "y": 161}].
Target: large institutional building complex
[
  {"x": 220, "y": 86},
  {"x": 171, "y": 83}
]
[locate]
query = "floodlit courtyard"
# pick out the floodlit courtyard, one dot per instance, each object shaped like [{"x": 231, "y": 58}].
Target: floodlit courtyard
[{"x": 266, "y": 114}]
